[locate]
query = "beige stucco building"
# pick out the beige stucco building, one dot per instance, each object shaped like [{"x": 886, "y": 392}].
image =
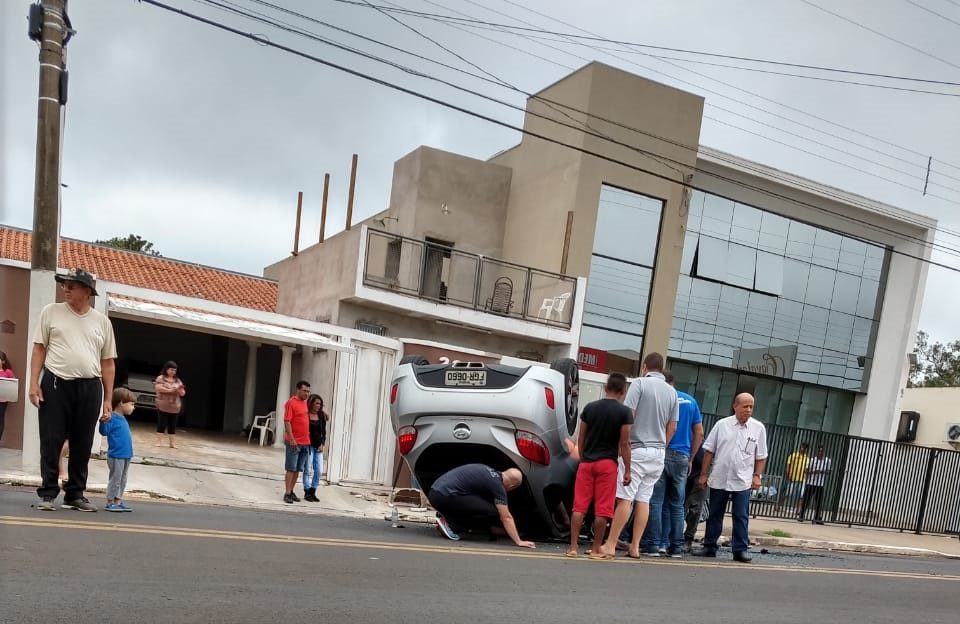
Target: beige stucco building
[
  {"x": 939, "y": 415},
  {"x": 610, "y": 232}
]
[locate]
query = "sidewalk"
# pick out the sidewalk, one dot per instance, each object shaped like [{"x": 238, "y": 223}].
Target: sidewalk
[{"x": 249, "y": 481}]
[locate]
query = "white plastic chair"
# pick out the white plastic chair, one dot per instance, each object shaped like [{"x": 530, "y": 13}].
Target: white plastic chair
[{"x": 264, "y": 424}]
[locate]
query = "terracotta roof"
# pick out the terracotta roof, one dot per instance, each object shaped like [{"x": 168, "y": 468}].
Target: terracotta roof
[{"x": 145, "y": 271}]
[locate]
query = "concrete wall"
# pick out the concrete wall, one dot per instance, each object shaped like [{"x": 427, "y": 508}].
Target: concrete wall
[
  {"x": 312, "y": 284},
  {"x": 937, "y": 407},
  {"x": 14, "y": 307},
  {"x": 474, "y": 191},
  {"x": 404, "y": 326},
  {"x": 550, "y": 180}
]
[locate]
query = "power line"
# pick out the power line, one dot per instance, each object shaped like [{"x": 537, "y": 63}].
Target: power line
[
  {"x": 261, "y": 40},
  {"x": 656, "y": 157},
  {"x": 599, "y": 39},
  {"x": 506, "y": 29},
  {"x": 880, "y": 34},
  {"x": 757, "y": 95},
  {"x": 928, "y": 10}
]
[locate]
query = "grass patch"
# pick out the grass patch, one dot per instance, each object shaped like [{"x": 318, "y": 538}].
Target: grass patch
[{"x": 778, "y": 533}]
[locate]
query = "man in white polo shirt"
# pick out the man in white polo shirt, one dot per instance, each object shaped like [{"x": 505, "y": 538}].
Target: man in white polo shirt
[
  {"x": 736, "y": 449},
  {"x": 655, "y": 415},
  {"x": 71, "y": 384}
]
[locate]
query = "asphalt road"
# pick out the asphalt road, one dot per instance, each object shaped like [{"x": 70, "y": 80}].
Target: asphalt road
[{"x": 188, "y": 563}]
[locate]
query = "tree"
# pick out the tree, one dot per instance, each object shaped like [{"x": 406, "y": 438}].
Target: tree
[
  {"x": 131, "y": 242},
  {"x": 938, "y": 363}
]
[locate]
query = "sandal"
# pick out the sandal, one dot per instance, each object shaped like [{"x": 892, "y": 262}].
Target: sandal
[
  {"x": 571, "y": 553},
  {"x": 600, "y": 556}
]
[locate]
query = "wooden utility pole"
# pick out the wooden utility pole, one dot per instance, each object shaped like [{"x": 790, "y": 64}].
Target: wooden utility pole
[
  {"x": 296, "y": 230},
  {"x": 323, "y": 208},
  {"x": 49, "y": 27},
  {"x": 353, "y": 183},
  {"x": 46, "y": 198}
]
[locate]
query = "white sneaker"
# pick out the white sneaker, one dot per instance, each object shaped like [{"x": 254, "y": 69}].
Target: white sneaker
[{"x": 444, "y": 527}]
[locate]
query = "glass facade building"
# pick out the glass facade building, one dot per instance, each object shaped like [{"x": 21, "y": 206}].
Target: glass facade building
[{"x": 766, "y": 304}]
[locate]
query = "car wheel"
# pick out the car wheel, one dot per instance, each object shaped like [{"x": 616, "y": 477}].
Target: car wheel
[
  {"x": 571, "y": 376},
  {"x": 417, "y": 360}
]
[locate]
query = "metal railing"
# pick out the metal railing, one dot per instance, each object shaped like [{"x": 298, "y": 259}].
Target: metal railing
[
  {"x": 448, "y": 275},
  {"x": 874, "y": 483}
]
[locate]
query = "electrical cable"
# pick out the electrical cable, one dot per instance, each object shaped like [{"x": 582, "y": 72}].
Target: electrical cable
[{"x": 507, "y": 125}]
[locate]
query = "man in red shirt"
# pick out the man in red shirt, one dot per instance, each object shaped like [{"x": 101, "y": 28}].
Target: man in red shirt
[{"x": 296, "y": 438}]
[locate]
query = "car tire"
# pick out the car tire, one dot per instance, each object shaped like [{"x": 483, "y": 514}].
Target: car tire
[
  {"x": 571, "y": 390},
  {"x": 417, "y": 360}
]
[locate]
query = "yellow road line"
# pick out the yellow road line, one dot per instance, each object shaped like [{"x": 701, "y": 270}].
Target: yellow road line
[{"x": 301, "y": 540}]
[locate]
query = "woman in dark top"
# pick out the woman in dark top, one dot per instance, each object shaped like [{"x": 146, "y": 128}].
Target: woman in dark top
[{"x": 318, "y": 440}]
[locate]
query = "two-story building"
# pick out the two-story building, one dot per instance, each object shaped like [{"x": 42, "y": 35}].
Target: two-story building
[{"x": 610, "y": 231}]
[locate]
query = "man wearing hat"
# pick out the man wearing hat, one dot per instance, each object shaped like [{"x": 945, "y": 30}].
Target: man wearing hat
[{"x": 71, "y": 382}]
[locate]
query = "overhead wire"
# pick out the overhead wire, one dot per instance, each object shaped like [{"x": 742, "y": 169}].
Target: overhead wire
[
  {"x": 931, "y": 11},
  {"x": 880, "y": 34},
  {"x": 484, "y": 117},
  {"x": 646, "y": 153},
  {"x": 757, "y": 95},
  {"x": 440, "y": 17}
]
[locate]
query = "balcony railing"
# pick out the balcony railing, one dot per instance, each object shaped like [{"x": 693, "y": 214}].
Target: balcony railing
[{"x": 450, "y": 276}]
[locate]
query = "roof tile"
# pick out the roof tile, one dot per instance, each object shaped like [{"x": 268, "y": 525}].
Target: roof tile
[{"x": 153, "y": 272}]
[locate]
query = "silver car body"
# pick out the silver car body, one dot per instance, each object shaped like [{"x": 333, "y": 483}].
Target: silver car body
[{"x": 460, "y": 425}]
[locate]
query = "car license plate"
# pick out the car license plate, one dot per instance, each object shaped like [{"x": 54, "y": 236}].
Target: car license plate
[{"x": 466, "y": 378}]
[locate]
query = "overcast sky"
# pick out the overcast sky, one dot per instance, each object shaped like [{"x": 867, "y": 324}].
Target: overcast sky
[{"x": 199, "y": 140}]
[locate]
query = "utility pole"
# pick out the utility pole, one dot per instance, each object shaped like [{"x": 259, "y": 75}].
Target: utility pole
[{"x": 50, "y": 27}]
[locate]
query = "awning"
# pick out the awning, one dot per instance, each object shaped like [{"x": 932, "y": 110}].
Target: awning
[{"x": 164, "y": 314}]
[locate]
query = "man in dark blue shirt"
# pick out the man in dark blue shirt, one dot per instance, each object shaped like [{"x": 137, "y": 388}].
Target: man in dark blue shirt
[{"x": 474, "y": 496}]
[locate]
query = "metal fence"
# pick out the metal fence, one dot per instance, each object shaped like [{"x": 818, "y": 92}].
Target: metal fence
[
  {"x": 874, "y": 483},
  {"x": 447, "y": 275}
]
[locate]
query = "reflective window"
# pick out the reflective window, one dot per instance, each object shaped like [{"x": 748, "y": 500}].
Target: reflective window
[
  {"x": 621, "y": 270},
  {"x": 754, "y": 282}
]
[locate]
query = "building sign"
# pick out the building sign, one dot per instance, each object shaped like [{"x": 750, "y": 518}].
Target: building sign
[
  {"x": 593, "y": 360},
  {"x": 773, "y": 361}
]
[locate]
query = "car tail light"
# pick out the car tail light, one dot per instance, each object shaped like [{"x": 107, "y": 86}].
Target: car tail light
[
  {"x": 406, "y": 438},
  {"x": 393, "y": 393},
  {"x": 551, "y": 402},
  {"x": 532, "y": 447}
]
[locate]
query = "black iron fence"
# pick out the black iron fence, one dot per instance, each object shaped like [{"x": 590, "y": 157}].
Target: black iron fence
[
  {"x": 874, "y": 483},
  {"x": 448, "y": 275}
]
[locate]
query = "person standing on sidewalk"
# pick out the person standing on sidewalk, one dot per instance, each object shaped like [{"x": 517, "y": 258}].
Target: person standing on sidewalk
[
  {"x": 796, "y": 469},
  {"x": 604, "y": 435},
  {"x": 655, "y": 415},
  {"x": 74, "y": 349},
  {"x": 693, "y": 504},
  {"x": 6, "y": 371},
  {"x": 736, "y": 449},
  {"x": 116, "y": 430},
  {"x": 170, "y": 391},
  {"x": 296, "y": 439},
  {"x": 817, "y": 470},
  {"x": 318, "y": 439},
  {"x": 664, "y": 534}
]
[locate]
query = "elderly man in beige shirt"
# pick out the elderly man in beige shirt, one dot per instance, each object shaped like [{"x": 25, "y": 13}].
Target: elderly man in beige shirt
[{"x": 71, "y": 383}]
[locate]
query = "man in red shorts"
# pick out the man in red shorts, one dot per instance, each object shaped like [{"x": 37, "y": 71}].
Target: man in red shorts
[{"x": 604, "y": 433}]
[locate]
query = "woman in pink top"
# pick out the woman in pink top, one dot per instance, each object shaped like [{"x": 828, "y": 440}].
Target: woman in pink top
[
  {"x": 170, "y": 391},
  {"x": 5, "y": 371}
]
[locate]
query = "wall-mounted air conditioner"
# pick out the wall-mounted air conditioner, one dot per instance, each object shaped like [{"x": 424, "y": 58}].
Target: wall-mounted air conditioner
[{"x": 951, "y": 433}]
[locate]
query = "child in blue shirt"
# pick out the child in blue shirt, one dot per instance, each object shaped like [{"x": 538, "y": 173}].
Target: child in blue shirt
[{"x": 120, "y": 450}]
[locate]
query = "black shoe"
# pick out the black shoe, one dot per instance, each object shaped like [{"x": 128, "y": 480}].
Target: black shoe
[
  {"x": 288, "y": 498},
  {"x": 742, "y": 557},
  {"x": 705, "y": 552},
  {"x": 80, "y": 504},
  {"x": 46, "y": 504},
  {"x": 311, "y": 495},
  {"x": 818, "y": 521},
  {"x": 295, "y": 498}
]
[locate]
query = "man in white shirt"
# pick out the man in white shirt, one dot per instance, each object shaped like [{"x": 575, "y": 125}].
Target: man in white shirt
[
  {"x": 736, "y": 450},
  {"x": 71, "y": 384},
  {"x": 817, "y": 470}
]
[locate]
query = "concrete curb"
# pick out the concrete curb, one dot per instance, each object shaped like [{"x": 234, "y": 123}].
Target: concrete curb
[{"x": 812, "y": 544}]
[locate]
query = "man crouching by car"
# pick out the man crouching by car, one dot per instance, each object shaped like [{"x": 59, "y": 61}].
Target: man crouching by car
[{"x": 474, "y": 496}]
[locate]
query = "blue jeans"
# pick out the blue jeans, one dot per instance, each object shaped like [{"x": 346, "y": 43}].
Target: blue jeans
[
  {"x": 311, "y": 472},
  {"x": 665, "y": 524},
  {"x": 740, "y": 512}
]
